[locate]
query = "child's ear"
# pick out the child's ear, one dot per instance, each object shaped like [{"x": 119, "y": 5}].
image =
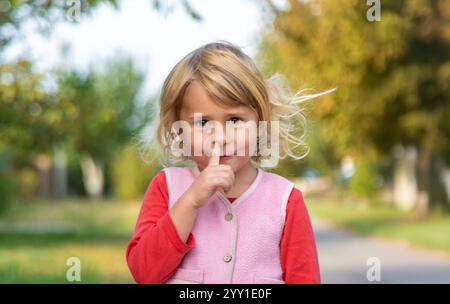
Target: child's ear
[{"x": 176, "y": 136}]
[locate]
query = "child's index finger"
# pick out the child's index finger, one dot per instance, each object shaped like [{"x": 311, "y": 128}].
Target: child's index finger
[{"x": 214, "y": 159}]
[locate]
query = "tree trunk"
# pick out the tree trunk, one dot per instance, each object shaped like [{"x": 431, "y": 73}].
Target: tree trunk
[
  {"x": 59, "y": 173},
  {"x": 445, "y": 178},
  {"x": 43, "y": 165},
  {"x": 93, "y": 178},
  {"x": 405, "y": 178},
  {"x": 424, "y": 166}
]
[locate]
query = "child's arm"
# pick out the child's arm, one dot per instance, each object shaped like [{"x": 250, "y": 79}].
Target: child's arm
[
  {"x": 298, "y": 247},
  {"x": 156, "y": 250},
  {"x": 162, "y": 237}
]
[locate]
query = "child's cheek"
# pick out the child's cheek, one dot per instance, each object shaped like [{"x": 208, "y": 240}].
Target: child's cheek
[
  {"x": 247, "y": 144},
  {"x": 196, "y": 150},
  {"x": 197, "y": 143}
]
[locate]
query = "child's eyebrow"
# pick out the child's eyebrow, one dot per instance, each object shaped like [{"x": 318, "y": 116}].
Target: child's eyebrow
[
  {"x": 203, "y": 117},
  {"x": 235, "y": 114},
  {"x": 227, "y": 115}
]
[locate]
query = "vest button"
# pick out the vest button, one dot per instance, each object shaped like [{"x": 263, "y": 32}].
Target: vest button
[
  {"x": 227, "y": 258},
  {"x": 228, "y": 216}
]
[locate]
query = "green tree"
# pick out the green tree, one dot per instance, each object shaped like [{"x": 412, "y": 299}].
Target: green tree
[
  {"x": 101, "y": 112},
  {"x": 33, "y": 121},
  {"x": 392, "y": 76}
]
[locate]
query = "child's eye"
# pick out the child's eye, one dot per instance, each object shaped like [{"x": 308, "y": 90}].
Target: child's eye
[
  {"x": 235, "y": 120},
  {"x": 200, "y": 123}
]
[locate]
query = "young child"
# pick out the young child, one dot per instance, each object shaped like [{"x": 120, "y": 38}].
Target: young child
[{"x": 224, "y": 219}]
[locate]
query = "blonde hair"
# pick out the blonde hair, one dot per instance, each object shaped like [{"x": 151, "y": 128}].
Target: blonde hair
[{"x": 230, "y": 76}]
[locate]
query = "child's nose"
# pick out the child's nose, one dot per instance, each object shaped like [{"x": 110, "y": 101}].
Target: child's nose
[{"x": 221, "y": 139}]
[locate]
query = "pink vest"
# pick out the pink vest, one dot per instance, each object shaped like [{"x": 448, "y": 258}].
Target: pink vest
[{"x": 236, "y": 242}]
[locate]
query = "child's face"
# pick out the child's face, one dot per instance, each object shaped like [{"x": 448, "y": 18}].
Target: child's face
[{"x": 197, "y": 100}]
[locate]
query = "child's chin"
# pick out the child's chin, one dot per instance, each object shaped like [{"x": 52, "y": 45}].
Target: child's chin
[{"x": 202, "y": 162}]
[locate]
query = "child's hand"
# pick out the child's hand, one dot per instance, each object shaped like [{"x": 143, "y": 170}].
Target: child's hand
[{"x": 215, "y": 177}]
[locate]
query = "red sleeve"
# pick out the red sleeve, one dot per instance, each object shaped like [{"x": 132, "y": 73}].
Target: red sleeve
[
  {"x": 299, "y": 259},
  {"x": 156, "y": 250}
]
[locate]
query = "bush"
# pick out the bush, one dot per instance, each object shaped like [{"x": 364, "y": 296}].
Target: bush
[
  {"x": 130, "y": 175},
  {"x": 8, "y": 184},
  {"x": 362, "y": 183},
  {"x": 28, "y": 182}
]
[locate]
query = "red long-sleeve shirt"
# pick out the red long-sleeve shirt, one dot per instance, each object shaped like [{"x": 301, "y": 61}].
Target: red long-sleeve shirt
[{"x": 156, "y": 250}]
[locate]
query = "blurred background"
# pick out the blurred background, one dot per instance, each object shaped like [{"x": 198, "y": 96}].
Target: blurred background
[{"x": 79, "y": 87}]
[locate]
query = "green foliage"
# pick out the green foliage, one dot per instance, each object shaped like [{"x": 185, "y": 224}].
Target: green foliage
[
  {"x": 99, "y": 107},
  {"x": 29, "y": 119},
  {"x": 8, "y": 184},
  {"x": 322, "y": 156},
  {"x": 94, "y": 113},
  {"x": 6, "y": 191},
  {"x": 362, "y": 183},
  {"x": 130, "y": 175},
  {"x": 392, "y": 76}
]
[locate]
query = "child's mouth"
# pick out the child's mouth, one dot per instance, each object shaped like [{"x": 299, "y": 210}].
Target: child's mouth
[{"x": 225, "y": 158}]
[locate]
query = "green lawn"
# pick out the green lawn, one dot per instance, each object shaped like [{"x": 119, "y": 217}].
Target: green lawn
[
  {"x": 37, "y": 238},
  {"x": 384, "y": 221}
]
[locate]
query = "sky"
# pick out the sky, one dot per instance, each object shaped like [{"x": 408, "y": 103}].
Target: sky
[{"x": 156, "y": 42}]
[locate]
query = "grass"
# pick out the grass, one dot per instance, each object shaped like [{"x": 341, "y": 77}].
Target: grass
[
  {"x": 37, "y": 238},
  {"x": 385, "y": 221}
]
